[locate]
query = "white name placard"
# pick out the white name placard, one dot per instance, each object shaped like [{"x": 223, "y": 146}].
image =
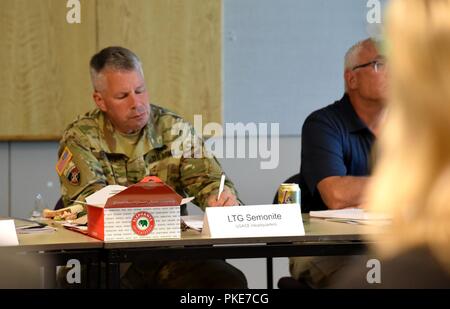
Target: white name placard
[
  {"x": 253, "y": 221},
  {"x": 8, "y": 235}
]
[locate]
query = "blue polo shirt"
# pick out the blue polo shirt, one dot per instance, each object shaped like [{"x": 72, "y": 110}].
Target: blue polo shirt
[{"x": 335, "y": 142}]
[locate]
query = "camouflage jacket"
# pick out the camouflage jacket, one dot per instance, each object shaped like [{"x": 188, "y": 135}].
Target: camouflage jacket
[{"x": 88, "y": 160}]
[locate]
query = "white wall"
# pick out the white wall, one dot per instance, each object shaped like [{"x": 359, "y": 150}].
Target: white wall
[
  {"x": 4, "y": 179},
  {"x": 32, "y": 172},
  {"x": 285, "y": 58},
  {"x": 256, "y": 185}
]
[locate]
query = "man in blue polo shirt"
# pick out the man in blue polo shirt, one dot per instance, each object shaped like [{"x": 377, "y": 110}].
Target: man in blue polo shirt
[
  {"x": 336, "y": 149},
  {"x": 337, "y": 139}
]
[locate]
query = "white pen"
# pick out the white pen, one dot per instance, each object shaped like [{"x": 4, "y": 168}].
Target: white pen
[{"x": 222, "y": 183}]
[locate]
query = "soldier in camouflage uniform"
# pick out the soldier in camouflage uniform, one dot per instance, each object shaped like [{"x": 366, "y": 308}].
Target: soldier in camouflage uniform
[
  {"x": 101, "y": 155},
  {"x": 124, "y": 139}
]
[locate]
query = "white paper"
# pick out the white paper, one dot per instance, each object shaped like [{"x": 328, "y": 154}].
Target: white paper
[
  {"x": 348, "y": 213},
  {"x": 8, "y": 236},
  {"x": 99, "y": 198},
  {"x": 193, "y": 222}
]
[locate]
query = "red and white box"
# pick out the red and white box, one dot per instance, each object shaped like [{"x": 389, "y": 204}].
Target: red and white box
[{"x": 149, "y": 209}]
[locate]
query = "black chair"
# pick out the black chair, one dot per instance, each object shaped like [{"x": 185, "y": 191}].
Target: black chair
[
  {"x": 59, "y": 204},
  {"x": 286, "y": 283}
]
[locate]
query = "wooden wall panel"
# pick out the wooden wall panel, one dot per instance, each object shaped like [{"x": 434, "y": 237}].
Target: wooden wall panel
[
  {"x": 44, "y": 67},
  {"x": 179, "y": 43},
  {"x": 44, "y": 60}
]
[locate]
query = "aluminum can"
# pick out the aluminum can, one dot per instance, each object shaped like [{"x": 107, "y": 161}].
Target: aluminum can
[{"x": 289, "y": 193}]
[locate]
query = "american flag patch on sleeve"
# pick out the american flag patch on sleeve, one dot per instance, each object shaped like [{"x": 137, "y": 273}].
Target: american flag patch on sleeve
[{"x": 65, "y": 158}]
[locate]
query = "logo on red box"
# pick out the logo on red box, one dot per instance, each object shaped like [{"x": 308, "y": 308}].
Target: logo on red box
[{"x": 142, "y": 223}]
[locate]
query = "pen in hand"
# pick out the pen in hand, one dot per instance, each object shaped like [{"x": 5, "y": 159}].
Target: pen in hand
[{"x": 222, "y": 183}]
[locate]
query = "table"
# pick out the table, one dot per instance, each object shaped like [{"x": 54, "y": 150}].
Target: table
[
  {"x": 322, "y": 238},
  {"x": 50, "y": 249}
]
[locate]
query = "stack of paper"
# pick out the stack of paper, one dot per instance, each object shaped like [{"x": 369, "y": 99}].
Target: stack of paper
[{"x": 350, "y": 215}]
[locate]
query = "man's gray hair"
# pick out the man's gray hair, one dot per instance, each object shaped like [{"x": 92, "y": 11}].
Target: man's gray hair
[
  {"x": 115, "y": 58},
  {"x": 351, "y": 57}
]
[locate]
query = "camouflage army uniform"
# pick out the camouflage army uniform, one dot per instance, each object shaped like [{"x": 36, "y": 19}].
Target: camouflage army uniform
[
  {"x": 96, "y": 161},
  {"x": 91, "y": 158}
]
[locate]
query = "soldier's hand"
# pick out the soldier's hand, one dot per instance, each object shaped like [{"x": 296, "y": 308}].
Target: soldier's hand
[
  {"x": 227, "y": 198},
  {"x": 68, "y": 213},
  {"x": 59, "y": 215}
]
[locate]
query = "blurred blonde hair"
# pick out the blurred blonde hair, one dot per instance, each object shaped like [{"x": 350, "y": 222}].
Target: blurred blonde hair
[{"x": 412, "y": 179}]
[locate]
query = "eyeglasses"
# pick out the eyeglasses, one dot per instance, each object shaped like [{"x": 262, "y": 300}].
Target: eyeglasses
[{"x": 377, "y": 65}]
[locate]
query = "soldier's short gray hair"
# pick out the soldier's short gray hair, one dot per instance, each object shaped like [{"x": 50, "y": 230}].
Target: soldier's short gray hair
[{"x": 115, "y": 58}]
